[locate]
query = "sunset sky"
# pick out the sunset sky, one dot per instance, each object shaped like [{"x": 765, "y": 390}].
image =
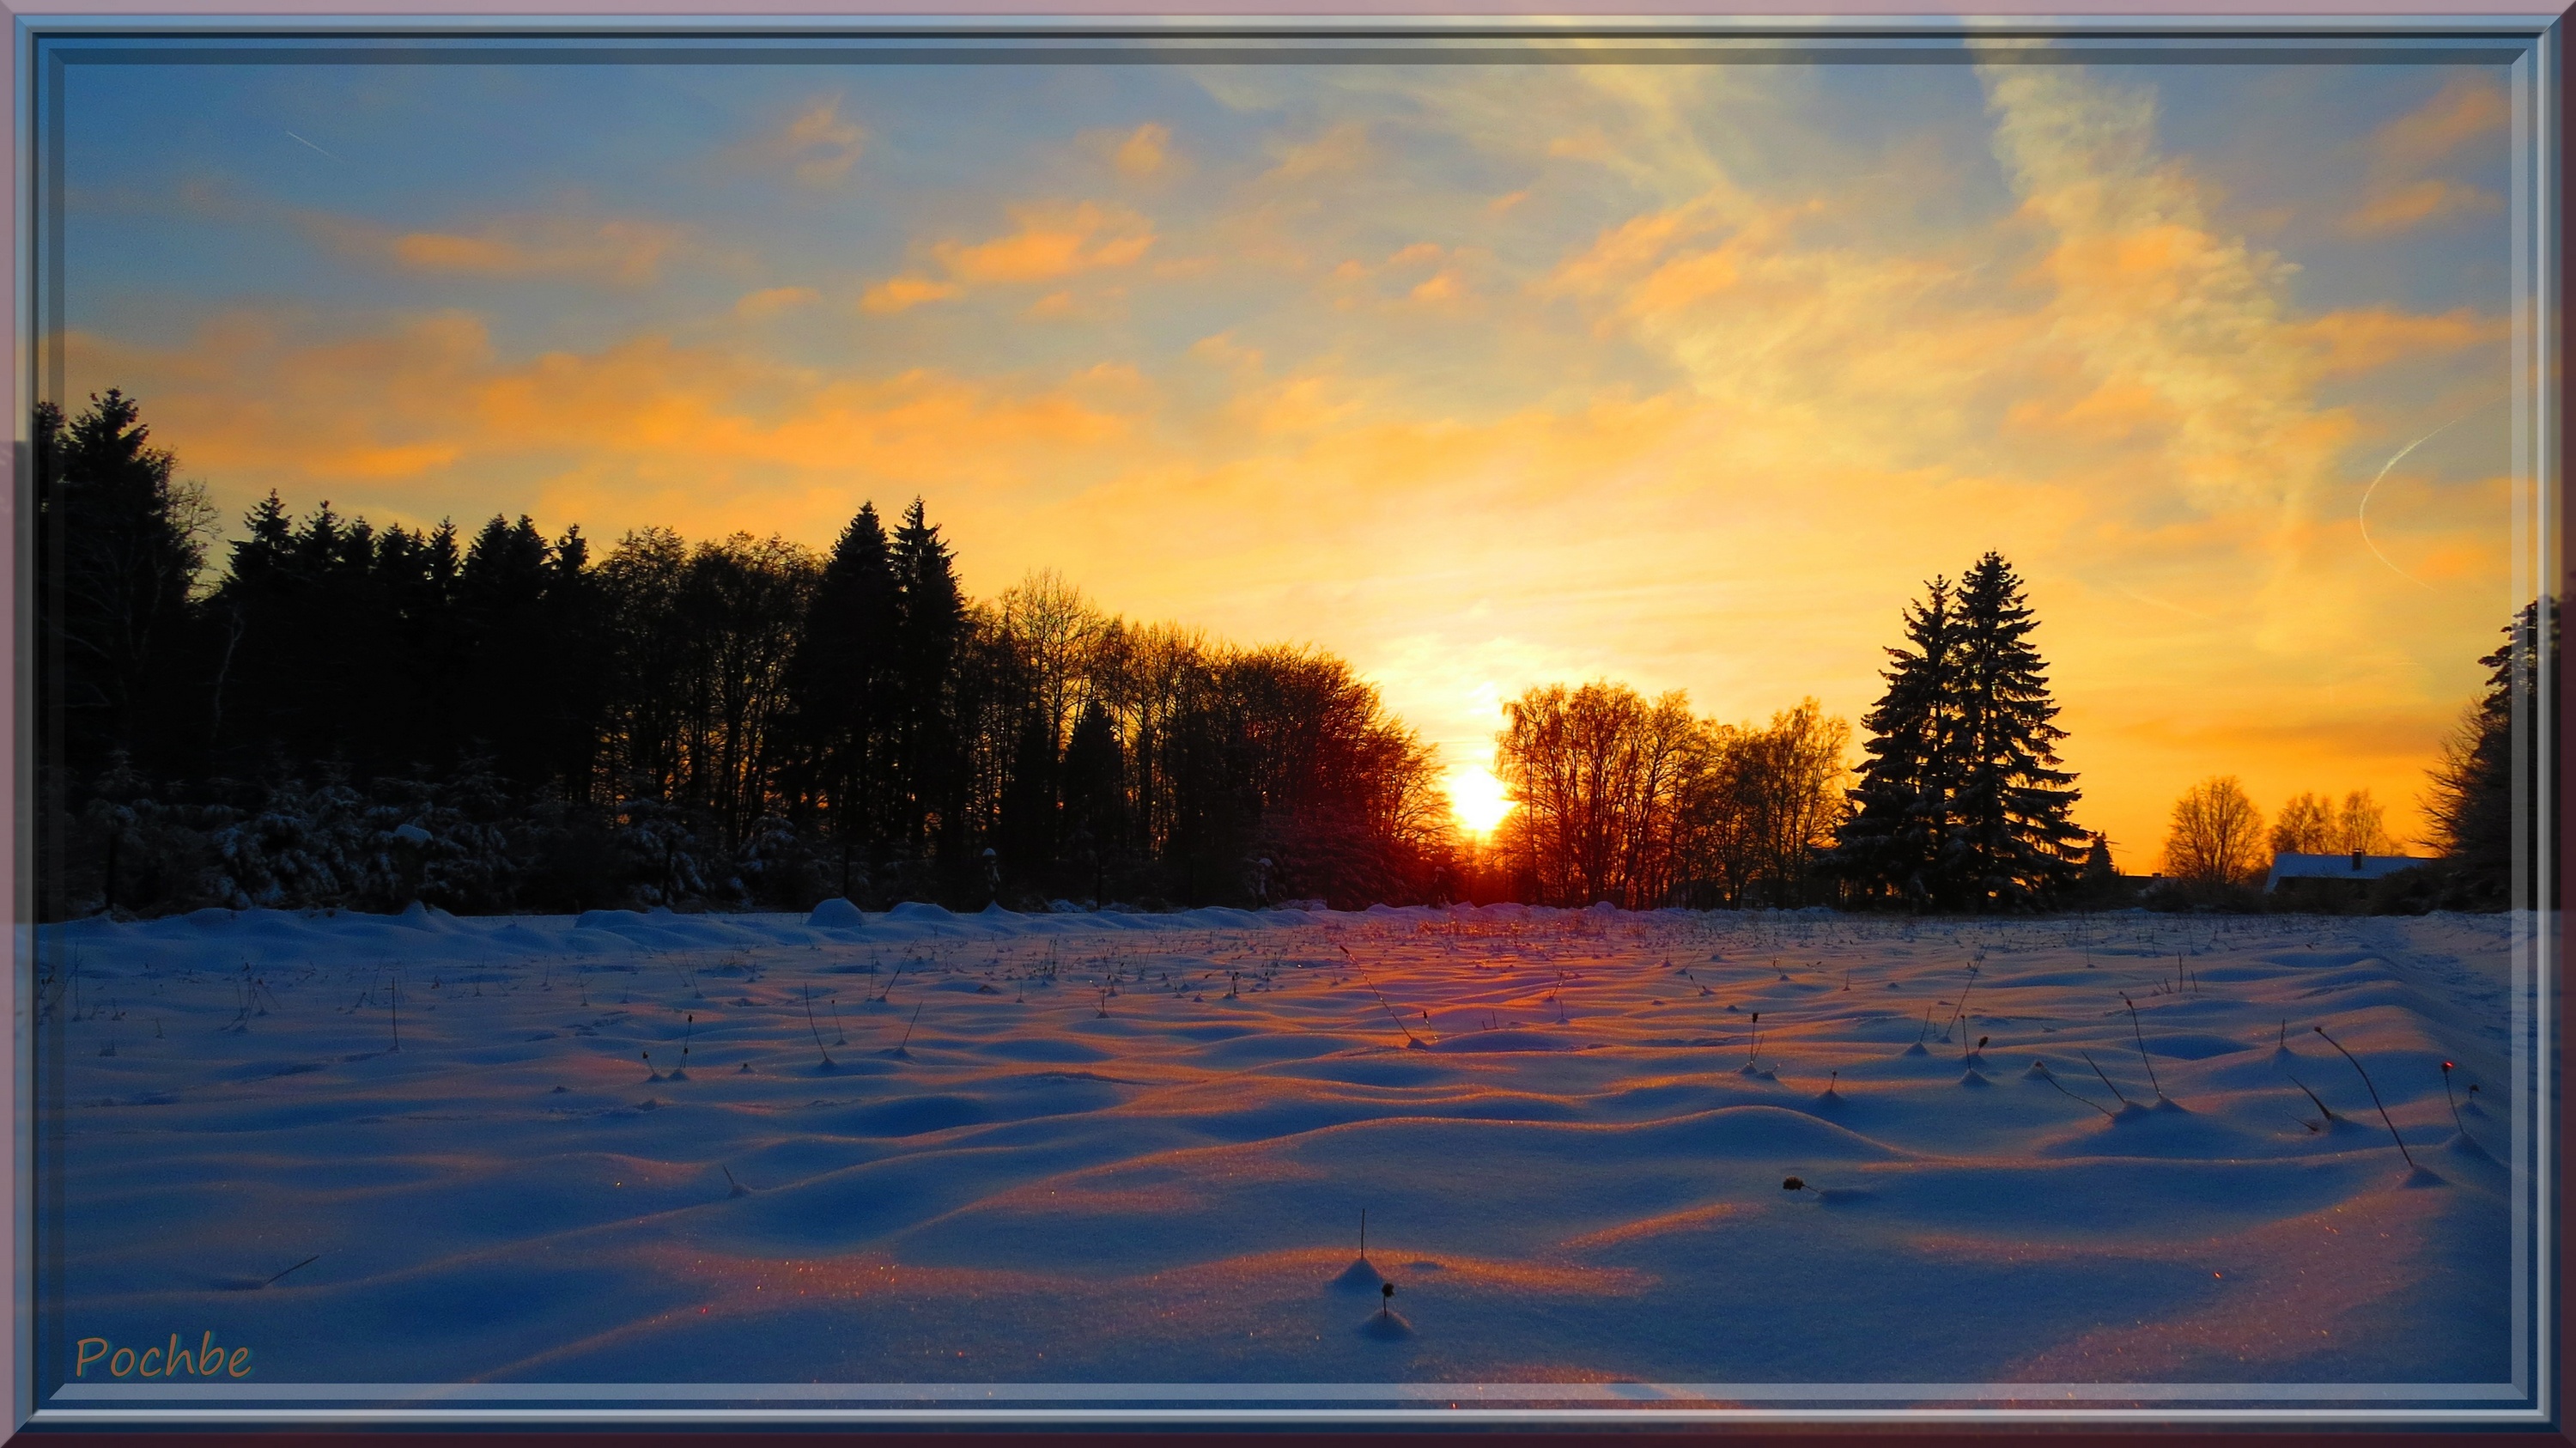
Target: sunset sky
[{"x": 1480, "y": 376}]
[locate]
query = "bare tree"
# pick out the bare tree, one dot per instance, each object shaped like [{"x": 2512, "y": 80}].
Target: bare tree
[
  {"x": 1058, "y": 633},
  {"x": 1597, "y": 772},
  {"x": 2217, "y": 835},
  {"x": 2363, "y": 825},
  {"x": 2305, "y": 826},
  {"x": 1759, "y": 804},
  {"x": 2313, "y": 824},
  {"x": 1790, "y": 784}
]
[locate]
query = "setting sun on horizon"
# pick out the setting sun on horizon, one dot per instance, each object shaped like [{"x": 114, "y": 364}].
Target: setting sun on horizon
[{"x": 1477, "y": 799}]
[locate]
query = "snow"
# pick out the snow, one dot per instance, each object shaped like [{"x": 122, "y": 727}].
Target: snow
[{"x": 919, "y": 1147}]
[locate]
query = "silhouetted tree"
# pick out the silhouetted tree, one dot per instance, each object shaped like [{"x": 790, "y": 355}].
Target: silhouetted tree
[
  {"x": 2492, "y": 766},
  {"x": 1095, "y": 794},
  {"x": 2312, "y": 824},
  {"x": 2217, "y": 835},
  {"x": 930, "y": 618},
  {"x": 841, "y": 691},
  {"x": 387, "y": 714},
  {"x": 2014, "y": 841},
  {"x": 119, "y": 543},
  {"x": 1597, "y": 774},
  {"x": 1960, "y": 805},
  {"x": 1892, "y": 846}
]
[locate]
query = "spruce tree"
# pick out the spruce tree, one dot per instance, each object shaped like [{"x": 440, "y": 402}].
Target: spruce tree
[
  {"x": 1960, "y": 805},
  {"x": 254, "y": 579},
  {"x": 2099, "y": 873},
  {"x": 841, "y": 688},
  {"x": 930, "y": 617},
  {"x": 2014, "y": 843},
  {"x": 1891, "y": 846},
  {"x": 120, "y": 545},
  {"x": 573, "y": 626},
  {"x": 1095, "y": 793},
  {"x": 514, "y": 673},
  {"x": 1029, "y": 806}
]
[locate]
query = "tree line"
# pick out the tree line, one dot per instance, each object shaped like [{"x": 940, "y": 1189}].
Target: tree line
[
  {"x": 339, "y": 713},
  {"x": 333, "y": 713}
]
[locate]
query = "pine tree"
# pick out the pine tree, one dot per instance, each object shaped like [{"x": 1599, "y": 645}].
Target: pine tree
[
  {"x": 930, "y": 617},
  {"x": 841, "y": 689},
  {"x": 2015, "y": 844},
  {"x": 1892, "y": 844}
]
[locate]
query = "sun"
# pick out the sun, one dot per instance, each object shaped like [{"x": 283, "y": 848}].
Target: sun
[{"x": 1477, "y": 799}]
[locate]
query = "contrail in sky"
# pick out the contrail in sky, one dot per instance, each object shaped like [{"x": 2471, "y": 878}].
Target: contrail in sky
[
  {"x": 317, "y": 148},
  {"x": 2362, "y": 514}
]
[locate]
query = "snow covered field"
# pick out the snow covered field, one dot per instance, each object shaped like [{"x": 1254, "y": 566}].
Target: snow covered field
[{"x": 920, "y": 1148}]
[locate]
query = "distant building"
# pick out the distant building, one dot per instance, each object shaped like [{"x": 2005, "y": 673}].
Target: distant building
[{"x": 2326, "y": 872}]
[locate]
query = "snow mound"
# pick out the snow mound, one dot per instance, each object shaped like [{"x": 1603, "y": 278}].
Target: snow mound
[
  {"x": 836, "y": 913},
  {"x": 1387, "y": 1325},
  {"x": 1757, "y": 1133}
]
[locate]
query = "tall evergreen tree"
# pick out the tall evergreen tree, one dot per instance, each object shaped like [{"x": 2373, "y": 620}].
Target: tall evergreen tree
[
  {"x": 1892, "y": 845},
  {"x": 842, "y": 689},
  {"x": 295, "y": 612},
  {"x": 1095, "y": 791},
  {"x": 2015, "y": 843},
  {"x": 929, "y": 620},
  {"x": 1028, "y": 814},
  {"x": 1960, "y": 805},
  {"x": 121, "y": 544},
  {"x": 514, "y": 672},
  {"x": 575, "y": 631}
]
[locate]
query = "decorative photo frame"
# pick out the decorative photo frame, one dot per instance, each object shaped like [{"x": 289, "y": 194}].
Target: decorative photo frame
[{"x": 1401, "y": 363}]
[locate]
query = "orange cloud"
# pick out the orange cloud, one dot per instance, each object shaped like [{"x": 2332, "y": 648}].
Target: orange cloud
[
  {"x": 770, "y": 301},
  {"x": 2462, "y": 112},
  {"x": 425, "y": 418},
  {"x": 1145, "y": 150},
  {"x": 816, "y": 146},
  {"x": 896, "y": 294},
  {"x": 2405, "y": 206},
  {"x": 2401, "y": 196},
  {"x": 2112, "y": 412},
  {"x": 2361, "y": 339},
  {"x": 622, "y": 250},
  {"x": 1052, "y": 241}
]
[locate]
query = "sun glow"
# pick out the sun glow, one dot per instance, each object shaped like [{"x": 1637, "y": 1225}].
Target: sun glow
[{"x": 1477, "y": 799}]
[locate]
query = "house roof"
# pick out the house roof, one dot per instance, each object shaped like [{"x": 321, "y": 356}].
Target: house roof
[{"x": 2337, "y": 867}]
